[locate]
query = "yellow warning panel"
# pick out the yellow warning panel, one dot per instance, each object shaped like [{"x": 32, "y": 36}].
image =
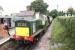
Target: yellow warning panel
[{"x": 22, "y": 31}]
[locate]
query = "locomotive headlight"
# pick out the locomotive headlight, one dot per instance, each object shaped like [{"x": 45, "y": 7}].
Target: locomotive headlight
[
  {"x": 26, "y": 38},
  {"x": 17, "y": 37}
]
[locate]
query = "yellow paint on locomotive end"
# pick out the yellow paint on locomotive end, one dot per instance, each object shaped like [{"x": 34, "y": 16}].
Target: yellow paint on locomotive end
[{"x": 22, "y": 31}]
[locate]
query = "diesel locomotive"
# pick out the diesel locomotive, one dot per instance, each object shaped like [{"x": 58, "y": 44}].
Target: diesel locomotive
[{"x": 30, "y": 30}]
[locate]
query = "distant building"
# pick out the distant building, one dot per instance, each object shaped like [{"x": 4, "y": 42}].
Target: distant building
[
  {"x": 25, "y": 14},
  {"x": 28, "y": 13}
]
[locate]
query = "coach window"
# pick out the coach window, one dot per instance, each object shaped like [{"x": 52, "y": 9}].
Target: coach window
[{"x": 34, "y": 27}]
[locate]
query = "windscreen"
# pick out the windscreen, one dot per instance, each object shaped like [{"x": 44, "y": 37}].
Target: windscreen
[{"x": 21, "y": 24}]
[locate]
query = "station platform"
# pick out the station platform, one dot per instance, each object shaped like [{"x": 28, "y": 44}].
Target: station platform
[
  {"x": 6, "y": 38},
  {"x": 3, "y": 40}
]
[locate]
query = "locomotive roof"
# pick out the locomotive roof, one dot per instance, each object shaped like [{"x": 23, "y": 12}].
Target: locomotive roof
[{"x": 21, "y": 18}]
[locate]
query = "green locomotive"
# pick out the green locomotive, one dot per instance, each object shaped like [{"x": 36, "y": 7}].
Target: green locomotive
[{"x": 29, "y": 29}]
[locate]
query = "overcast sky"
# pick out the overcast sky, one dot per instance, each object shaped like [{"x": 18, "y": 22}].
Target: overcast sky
[{"x": 13, "y": 6}]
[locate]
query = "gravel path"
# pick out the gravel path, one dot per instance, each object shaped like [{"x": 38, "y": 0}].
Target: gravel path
[{"x": 44, "y": 42}]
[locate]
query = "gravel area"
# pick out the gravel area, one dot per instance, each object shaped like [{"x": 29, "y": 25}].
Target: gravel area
[{"x": 44, "y": 42}]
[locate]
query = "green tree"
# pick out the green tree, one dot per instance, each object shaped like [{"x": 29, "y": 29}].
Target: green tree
[
  {"x": 74, "y": 12},
  {"x": 61, "y": 13},
  {"x": 54, "y": 13},
  {"x": 70, "y": 11},
  {"x": 39, "y": 6}
]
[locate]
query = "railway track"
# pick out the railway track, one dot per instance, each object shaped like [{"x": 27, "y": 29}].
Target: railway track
[
  {"x": 6, "y": 45},
  {"x": 10, "y": 45}
]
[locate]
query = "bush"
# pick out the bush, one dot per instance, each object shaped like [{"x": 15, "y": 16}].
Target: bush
[{"x": 64, "y": 32}]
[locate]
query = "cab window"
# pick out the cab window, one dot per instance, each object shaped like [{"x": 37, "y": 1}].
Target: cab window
[{"x": 21, "y": 24}]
